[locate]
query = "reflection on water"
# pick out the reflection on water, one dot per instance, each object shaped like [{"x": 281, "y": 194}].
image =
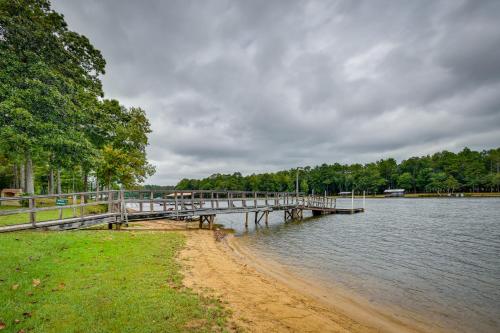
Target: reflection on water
[{"x": 435, "y": 259}]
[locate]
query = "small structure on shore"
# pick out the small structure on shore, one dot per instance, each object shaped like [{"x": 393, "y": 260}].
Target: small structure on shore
[
  {"x": 398, "y": 192},
  {"x": 9, "y": 193},
  {"x": 345, "y": 194}
]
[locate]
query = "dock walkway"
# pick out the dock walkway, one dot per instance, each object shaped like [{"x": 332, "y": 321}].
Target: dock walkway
[{"x": 118, "y": 207}]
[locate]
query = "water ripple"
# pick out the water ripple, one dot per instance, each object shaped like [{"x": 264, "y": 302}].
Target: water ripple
[{"x": 437, "y": 259}]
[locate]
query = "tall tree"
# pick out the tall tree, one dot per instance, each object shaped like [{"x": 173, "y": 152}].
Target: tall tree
[
  {"x": 47, "y": 71},
  {"x": 123, "y": 156}
]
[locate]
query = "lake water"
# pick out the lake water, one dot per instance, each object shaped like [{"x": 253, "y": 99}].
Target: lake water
[{"x": 435, "y": 261}]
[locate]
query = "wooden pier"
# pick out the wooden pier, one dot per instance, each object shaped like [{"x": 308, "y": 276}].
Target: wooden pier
[{"x": 118, "y": 207}]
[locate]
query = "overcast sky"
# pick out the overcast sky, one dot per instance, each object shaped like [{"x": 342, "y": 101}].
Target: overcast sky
[{"x": 264, "y": 85}]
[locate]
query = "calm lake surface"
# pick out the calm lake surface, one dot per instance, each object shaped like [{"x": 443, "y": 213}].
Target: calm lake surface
[{"x": 435, "y": 261}]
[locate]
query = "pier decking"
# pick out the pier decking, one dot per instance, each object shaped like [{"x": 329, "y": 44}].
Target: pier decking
[{"x": 119, "y": 207}]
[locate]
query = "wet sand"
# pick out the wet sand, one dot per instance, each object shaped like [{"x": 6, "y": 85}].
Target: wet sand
[{"x": 263, "y": 296}]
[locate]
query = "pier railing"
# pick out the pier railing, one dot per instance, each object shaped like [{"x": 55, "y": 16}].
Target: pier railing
[{"x": 83, "y": 209}]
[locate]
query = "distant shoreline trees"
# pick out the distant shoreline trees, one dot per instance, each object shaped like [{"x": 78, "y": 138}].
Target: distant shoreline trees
[
  {"x": 56, "y": 130},
  {"x": 467, "y": 171}
]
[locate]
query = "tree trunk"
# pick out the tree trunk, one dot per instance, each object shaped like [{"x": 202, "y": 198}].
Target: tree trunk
[
  {"x": 15, "y": 179},
  {"x": 85, "y": 184},
  {"x": 22, "y": 178},
  {"x": 51, "y": 181},
  {"x": 59, "y": 191},
  {"x": 30, "y": 184}
]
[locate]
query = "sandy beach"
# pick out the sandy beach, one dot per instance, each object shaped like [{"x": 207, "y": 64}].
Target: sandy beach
[{"x": 265, "y": 297}]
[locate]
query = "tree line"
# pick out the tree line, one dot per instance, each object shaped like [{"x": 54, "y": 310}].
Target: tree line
[
  {"x": 57, "y": 130},
  {"x": 466, "y": 171}
]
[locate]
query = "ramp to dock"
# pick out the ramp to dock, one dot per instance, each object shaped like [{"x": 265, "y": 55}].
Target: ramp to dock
[{"x": 85, "y": 209}]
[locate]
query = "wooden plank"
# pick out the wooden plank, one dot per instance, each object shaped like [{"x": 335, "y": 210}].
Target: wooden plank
[
  {"x": 39, "y": 209},
  {"x": 104, "y": 218}
]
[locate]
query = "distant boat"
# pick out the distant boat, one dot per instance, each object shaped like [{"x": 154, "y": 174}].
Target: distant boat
[{"x": 398, "y": 192}]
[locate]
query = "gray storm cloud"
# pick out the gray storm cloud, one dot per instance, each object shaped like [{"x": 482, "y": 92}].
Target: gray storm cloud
[{"x": 257, "y": 86}]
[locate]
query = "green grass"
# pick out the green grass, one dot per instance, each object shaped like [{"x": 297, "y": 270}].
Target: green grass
[
  {"x": 45, "y": 215},
  {"x": 99, "y": 281}
]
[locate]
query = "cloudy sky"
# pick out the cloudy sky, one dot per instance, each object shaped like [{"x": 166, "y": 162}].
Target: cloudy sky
[{"x": 264, "y": 85}]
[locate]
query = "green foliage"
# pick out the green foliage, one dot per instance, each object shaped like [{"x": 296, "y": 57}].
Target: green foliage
[
  {"x": 123, "y": 156},
  {"x": 51, "y": 113},
  {"x": 444, "y": 171},
  {"x": 405, "y": 181}
]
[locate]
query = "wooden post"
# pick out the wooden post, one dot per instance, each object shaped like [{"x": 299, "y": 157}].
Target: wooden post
[
  {"x": 141, "y": 197},
  {"x": 212, "y": 200},
  {"x": 267, "y": 217},
  {"x": 246, "y": 219},
  {"x": 74, "y": 202},
  {"x": 176, "y": 208},
  {"x": 217, "y": 200},
  {"x": 151, "y": 205},
  {"x": 352, "y": 200},
  {"x": 82, "y": 208},
  {"x": 110, "y": 202},
  {"x": 122, "y": 207},
  {"x": 243, "y": 199},
  {"x": 165, "y": 199},
  {"x": 192, "y": 200},
  {"x": 229, "y": 203},
  {"x": 31, "y": 204},
  {"x": 183, "y": 204},
  {"x": 256, "y": 215},
  {"x": 255, "y": 199}
]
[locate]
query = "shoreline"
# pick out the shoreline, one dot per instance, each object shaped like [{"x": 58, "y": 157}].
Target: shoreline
[
  {"x": 263, "y": 295},
  {"x": 338, "y": 299}
]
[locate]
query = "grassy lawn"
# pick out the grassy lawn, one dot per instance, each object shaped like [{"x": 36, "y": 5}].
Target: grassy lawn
[
  {"x": 46, "y": 215},
  {"x": 99, "y": 281}
]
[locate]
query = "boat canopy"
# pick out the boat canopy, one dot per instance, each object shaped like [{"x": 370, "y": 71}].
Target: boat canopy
[{"x": 396, "y": 190}]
